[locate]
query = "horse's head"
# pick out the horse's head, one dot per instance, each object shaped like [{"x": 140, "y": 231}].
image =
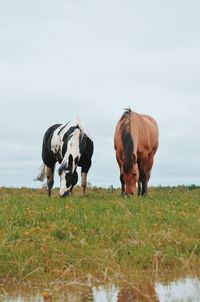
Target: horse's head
[
  {"x": 67, "y": 170},
  {"x": 68, "y": 176},
  {"x": 130, "y": 176},
  {"x": 72, "y": 154}
]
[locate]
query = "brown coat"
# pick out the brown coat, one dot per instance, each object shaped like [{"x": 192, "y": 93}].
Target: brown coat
[{"x": 135, "y": 143}]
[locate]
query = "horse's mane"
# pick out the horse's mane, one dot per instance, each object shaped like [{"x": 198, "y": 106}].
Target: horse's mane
[{"x": 127, "y": 141}]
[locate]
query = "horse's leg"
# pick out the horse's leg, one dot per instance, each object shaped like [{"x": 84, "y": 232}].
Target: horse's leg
[
  {"x": 139, "y": 181},
  {"x": 86, "y": 164},
  {"x": 84, "y": 170},
  {"x": 84, "y": 181},
  {"x": 142, "y": 184},
  {"x": 74, "y": 181},
  {"x": 49, "y": 172},
  {"x": 122, "y": 184},
  {"x": 146, "y": 169},
  {"x": 145, "y": 185},
  {"x": 121, "y": 173},
  {"x": 139, "y": 187}
]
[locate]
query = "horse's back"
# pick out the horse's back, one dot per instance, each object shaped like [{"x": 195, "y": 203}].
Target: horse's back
[
  {"x": 117, "y": 135},
  {"x": 150, "y": 119},
  {"x": 147, "y": 133},
  {"x": 87, "y": 149},
  {"x": 47, "y": 155},
  {"x": 49, "y": 132}
]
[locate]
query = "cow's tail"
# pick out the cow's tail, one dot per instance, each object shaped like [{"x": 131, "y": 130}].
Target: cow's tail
[{"x": 41, "y": 176}]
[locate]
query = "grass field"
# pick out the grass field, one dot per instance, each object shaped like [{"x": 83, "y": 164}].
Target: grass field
[{"x": 101, "y": 234}]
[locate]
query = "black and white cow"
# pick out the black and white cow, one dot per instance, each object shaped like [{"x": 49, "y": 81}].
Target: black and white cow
[{"x": 71, "y": 146}]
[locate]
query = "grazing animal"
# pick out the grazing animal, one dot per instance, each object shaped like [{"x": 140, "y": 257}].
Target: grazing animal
[
  {"x": 70, "y": 146},
  {"x": 135, "y": 143}
]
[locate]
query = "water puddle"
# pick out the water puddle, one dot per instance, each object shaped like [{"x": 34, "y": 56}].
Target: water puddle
[
  {"x": 184, "y": 290},
  {"x": 181, "y": 290}
]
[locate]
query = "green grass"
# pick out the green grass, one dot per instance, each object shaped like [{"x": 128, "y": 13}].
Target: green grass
[{"x": 99, "y": 234}]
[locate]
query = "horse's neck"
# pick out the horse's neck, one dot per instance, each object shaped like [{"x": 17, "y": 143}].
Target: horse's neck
[
  {"x": 73, "y": 146},
  {"x": 134, "y": 128}
]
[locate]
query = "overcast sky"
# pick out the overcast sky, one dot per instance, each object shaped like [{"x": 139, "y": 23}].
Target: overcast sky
[{"x": 95, "y": 58}]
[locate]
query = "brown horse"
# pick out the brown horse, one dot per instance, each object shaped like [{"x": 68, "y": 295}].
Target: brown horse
[{"x": 135, "y": 143}]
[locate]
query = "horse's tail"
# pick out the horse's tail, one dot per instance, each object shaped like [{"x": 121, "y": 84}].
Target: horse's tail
[{"x": 41, "y": 176}]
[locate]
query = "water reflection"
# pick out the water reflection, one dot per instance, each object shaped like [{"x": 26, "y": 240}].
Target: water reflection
[
  {"x": 184, "y": 290},
  {"x": 102, "y": 294},
  {"x": 140, "y": 293}
]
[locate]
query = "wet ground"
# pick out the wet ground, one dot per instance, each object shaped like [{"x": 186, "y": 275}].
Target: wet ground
[{"x": 177, "y": 290}]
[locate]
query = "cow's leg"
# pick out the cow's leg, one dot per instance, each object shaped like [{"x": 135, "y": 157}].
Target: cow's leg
[{"x": 49, "y": 172}]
